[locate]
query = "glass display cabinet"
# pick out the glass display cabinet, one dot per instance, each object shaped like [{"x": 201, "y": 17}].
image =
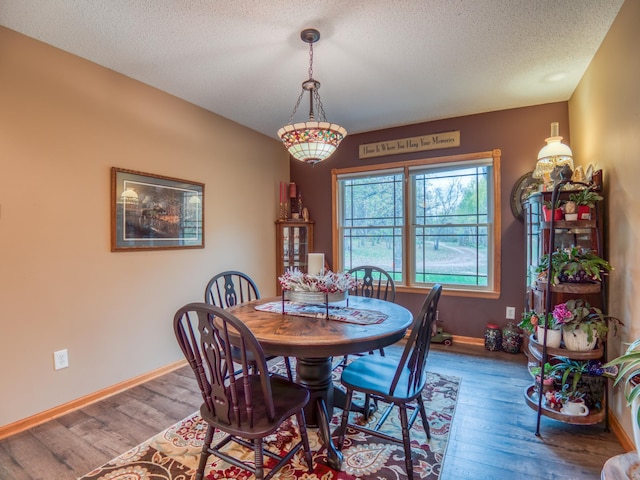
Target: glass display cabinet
[{"x": 294, "y": 240}]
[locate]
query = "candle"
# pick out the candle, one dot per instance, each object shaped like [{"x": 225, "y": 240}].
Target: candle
[
  {"x": 281, "y": 191},
  {"x": 315, "y": 263},
  {"x": 292, "y": 190}
]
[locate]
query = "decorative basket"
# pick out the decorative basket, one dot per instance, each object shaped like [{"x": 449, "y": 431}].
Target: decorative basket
[{"x": 315, "y": 297}]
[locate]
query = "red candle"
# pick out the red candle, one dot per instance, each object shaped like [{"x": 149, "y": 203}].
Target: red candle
[{"x": 292, "y": 190}]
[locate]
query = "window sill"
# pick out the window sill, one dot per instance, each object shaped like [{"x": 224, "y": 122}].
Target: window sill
[{"x": 452, "y": 292}]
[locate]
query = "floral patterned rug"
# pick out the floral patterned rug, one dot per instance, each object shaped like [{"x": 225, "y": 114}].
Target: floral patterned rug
[{"x": 173, "y": 454}]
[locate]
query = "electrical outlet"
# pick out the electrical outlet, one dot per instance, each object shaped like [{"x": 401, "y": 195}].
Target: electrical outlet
[
  {"x": 511, "y": 313},
  {"x": 60, "y": 359}
]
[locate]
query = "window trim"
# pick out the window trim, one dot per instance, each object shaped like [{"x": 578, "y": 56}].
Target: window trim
[{"x": 410, "y": 165}]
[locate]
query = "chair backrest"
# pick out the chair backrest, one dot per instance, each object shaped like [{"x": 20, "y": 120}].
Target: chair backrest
[
  {"x": 414, "y": 356},
  {"x": 206, "y": 334},
  {"x": 230, "y": 288},
  {"x": 373, "y": 282}
]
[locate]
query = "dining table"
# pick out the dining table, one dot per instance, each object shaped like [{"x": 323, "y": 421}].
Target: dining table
[{"x": 279, "y": 325}]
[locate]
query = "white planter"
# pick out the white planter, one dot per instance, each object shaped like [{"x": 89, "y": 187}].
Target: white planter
[
  {"x": 554, "y": 337},
  {"x": 576, "y": 340},
  {"x": 634, "y": 422}
]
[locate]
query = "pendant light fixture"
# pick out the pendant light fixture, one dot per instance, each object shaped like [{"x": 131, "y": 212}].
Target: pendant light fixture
[{"x": 311, "y": 141}]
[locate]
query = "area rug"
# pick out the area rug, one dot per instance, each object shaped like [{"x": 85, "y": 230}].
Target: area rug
[{"x": 173, "y": 454}]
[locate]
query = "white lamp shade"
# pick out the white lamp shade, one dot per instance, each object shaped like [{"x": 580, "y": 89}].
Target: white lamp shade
[{"x": 553, "y": 154}]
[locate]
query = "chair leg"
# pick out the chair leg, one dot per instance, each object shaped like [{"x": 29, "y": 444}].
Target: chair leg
[
  {"x": 287, "y": 364},
  {"x": 367, "y": 409},
  {"x": 425, "y": 420},
  {"x": 305, "y": 440},
  {"x": 345, "y": 419},
  {"x": 204, "y": 455},
  {"x": 406, "y": 440},
  {"x": 257, "y": 448}
]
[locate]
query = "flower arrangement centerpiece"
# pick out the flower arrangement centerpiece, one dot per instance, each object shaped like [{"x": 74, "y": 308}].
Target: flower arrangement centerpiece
[{"x": 308, "y": 288}]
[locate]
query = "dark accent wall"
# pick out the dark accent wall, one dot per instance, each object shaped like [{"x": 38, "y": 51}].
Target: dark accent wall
[{"x": 519, "y": 133}]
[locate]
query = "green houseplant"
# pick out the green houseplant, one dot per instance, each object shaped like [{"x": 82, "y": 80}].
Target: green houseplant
[
  {"x": 529, "y": 322},
  {"x": 585, "y": 200},
  {"x": 628, "y": 374},
  {"x": 548, "y": 209},
  {"x": 587, "y": 319},
  {"x": 580, "y": 379},
  {"x": 548, "y": 378},
  {"x": 628, "y": 377},
  {"x": 553, "y": 330},
  {"x": 585, "y": 197},
  {"x": 574, "y": 265}
]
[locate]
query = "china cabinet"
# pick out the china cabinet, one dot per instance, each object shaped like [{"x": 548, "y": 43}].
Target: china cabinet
[{"x": 294, "y": 240}]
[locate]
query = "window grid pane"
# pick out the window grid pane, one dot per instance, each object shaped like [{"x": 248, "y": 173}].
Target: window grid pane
[
  {"x": 372, "y": 220},
  {"x": 451, "y": 227}
]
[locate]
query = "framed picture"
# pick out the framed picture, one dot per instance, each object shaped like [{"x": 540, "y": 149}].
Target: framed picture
[{"x": 152, "y": 212}]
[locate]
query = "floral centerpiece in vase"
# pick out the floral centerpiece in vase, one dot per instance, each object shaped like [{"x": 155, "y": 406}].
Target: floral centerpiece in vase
[{"x": 325, "y": 287}]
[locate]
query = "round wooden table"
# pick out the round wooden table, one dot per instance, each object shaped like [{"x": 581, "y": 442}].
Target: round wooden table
[{"x": 314, "y": 341}]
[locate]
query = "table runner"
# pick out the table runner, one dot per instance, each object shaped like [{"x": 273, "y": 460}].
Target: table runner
[{"x": 342, "y": 314}]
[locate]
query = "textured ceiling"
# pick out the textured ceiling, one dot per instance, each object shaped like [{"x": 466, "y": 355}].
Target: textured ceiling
[{"x": 381, "y": 62}]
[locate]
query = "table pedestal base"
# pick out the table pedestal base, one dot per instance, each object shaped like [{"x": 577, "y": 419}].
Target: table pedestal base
[{"x": 315, "y": 375}]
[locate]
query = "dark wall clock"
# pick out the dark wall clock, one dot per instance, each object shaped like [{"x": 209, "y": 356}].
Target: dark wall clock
[{"x": 525, "y": 185}]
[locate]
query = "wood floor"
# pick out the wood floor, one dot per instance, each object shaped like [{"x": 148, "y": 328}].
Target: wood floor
[{"x": 492, "y": 434}]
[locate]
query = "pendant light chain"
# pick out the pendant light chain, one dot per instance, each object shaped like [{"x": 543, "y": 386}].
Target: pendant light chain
[{"x": 314, "y": 93}]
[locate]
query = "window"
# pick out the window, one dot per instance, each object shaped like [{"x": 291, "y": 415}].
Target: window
[{"x": 452, "y": 236}]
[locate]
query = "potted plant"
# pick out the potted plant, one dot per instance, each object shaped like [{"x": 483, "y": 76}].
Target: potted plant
[
  {"x": 628, "y": 377},
  {"x": 570, "y": 210},
  {"x": 573, "y": 265},
  {"x": 548, "y": 379},
  {"x": 548, "y": 210},
  {"x": 571, "y": 401},
  {"x": 585, "y": 200},
  {"x": 529, "y": 322},
  {"x": 553, "y": 329},
  {"x": 584, "y": 325}
]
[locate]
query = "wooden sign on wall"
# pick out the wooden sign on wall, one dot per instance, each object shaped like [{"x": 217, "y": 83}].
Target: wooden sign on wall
[{"x": 408, "y": 145}]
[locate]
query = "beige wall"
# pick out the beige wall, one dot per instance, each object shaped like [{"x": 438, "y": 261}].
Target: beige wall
[
  {"x": 604, "y": 114},
  {"x": 64, "y": 122}
]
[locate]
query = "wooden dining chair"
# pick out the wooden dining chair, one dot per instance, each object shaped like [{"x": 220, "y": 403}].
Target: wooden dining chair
[
  {"x": 247, "y": 405},
  {"x": 396, "y": 382},
  {"x": 372, "y": 282},
  {"x": 230, "y": 288}
]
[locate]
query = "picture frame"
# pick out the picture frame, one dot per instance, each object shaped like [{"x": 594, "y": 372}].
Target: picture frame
[{"x": 154, "y": 212}]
